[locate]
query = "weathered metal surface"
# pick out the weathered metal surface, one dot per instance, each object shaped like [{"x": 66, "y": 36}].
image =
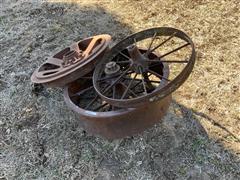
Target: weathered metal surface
[
  {"x": 100, "y": 118},
  {"x": 72, "y": 62},
  {"x": 121, "y": 91},
  {"x": 143, "y": 63},
  {"x": 117, "y": 123}
]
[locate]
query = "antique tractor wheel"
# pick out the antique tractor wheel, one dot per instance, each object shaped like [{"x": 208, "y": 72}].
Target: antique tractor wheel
[{"x": 139, "y": 72}]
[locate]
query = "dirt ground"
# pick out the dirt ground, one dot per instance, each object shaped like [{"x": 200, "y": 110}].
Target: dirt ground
[{"x": 40, "y": 137}]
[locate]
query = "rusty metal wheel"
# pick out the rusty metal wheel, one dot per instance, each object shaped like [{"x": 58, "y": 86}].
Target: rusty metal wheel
[
  {"x": 72, "y": 62},
  {"x": 138, "y": 67},
  {"x": 98, "y": 117}
]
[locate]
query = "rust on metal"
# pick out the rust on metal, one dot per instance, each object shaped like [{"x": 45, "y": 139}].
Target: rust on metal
[
  {"x": 145, "y": 67},
  {"x": 120, "y": 91},
  {"x": 111, "y": 68},
  {"x": 101, "y": 118},
  {"x": 72, "y": 62}
]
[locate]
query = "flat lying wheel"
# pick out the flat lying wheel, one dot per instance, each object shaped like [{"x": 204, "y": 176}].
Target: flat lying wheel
[
  {"x": 72, "y": 62},
  {"x": 144, "y": 67}
]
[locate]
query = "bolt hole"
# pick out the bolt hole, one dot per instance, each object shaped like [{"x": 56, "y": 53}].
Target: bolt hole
[
  {"x": 48, "y": 66},
  {"x": 70, "y": 53}
]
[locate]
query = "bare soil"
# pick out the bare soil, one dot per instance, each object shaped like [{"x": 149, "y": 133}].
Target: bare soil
[{"x": 40, "y": 138}]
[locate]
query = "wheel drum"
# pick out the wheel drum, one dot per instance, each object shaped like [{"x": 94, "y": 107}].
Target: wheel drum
[{"x": 119, "y": 123}]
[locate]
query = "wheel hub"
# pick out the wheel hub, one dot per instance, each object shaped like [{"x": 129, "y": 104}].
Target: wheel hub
[
  {"x": 138, "y": 59},
  {"x": 72, "y": 57},
  {"x": 111, "y": 68}
]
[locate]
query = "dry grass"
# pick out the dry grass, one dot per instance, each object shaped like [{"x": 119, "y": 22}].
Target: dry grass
[{"x": 199, "y": 137}]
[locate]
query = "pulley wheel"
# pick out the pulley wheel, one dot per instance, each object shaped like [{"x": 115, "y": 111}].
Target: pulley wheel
[
  {"x": 144, "y": 67},
  {"x": 72, "y": 62}
]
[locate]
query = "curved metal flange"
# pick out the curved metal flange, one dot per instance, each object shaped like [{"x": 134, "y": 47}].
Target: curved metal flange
[
  {"x": 140, "y": 63},
  {"x": 112, "y": 123},
  {"x": 72, "y": 62}
]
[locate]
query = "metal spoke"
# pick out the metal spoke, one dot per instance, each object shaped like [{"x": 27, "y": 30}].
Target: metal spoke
[
  {"x": 125, "y": 56},
  {"x": 175, "y": 50},
  {"x": 144, "y": 87},
  {"x": 99, "y": 107},
  {"x": 136, "y": 85},
  {"x": 82, "y": 91},
  {"x": 170, "y": 61},
  {"x": 141, "y": 80},
  {"x": 150, "y": 45},
  {"x": 129, "y": 72},
  {"x": 158, "y": 75},
  {"x": 117, "y": 59},
  {"x": 114, "y": 95},
  {"x": 147, "y": 80},
  {"x": 168, "y": 39},
  {"x": 135, "y": 42},
  {"x": 91, "y": 102},
  {"x": 128, "y": 78},
  {"x": 139, "y": 92},
  {"x": 111, "y": 77},
  {"x": 153, "y": 65},
  {"x": 107, "y": 78},
  {"x": 128, "y": 87},
  {"x": 152, "y": 81}
]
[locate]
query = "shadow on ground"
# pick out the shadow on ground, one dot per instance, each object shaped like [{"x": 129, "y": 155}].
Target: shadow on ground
[{"x": 40, "y": 136}]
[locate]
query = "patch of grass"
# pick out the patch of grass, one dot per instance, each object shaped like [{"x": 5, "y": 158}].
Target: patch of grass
[
  {"x": 87, "y": 155},
  {"x": 56, "y": 28},
  {"x": 200, "y": 158},
  {"x": 231, "y": 138},
  {"x": 182, "y": 170},
  {"x": 198, "y": 143},
  {"x": 1, "y": 19}
]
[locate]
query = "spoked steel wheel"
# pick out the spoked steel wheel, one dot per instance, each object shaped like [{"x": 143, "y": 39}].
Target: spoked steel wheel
[{"x": 144, "y": 67}]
